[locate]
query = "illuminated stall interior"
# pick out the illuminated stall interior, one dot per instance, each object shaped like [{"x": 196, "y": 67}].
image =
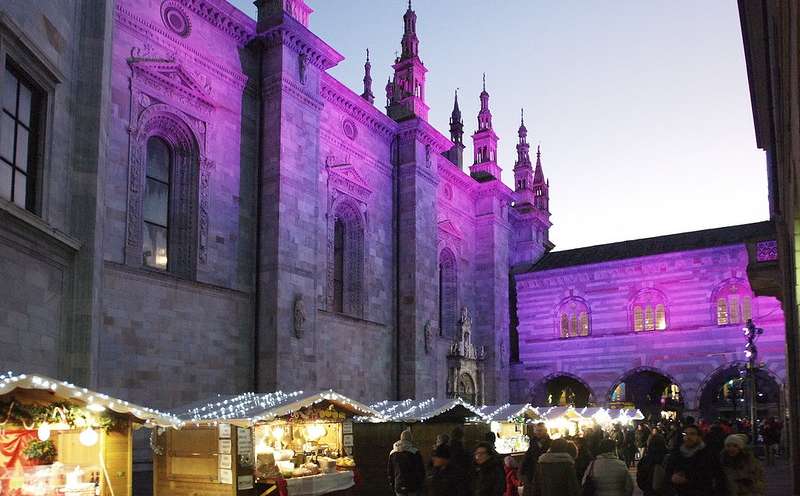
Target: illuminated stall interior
[
  {"x": 570, "y": 421},
  {"x": 59, "y": 439},
  {"x": 510, "y": 424},
  {"x": 231, "y": 445}
]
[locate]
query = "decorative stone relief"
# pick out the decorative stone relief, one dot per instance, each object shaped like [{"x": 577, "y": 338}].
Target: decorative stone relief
[
  {"x": 349, "y": 129},
  {"x": 299, "y": 317},
  {"x": 175, "y": 18},
  {"x": 303, "y": 66},
  {"x": 428, "y": 334}
]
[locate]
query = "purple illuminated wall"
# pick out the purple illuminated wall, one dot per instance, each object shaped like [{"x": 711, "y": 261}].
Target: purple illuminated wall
[{"x": 691, "y": 349}]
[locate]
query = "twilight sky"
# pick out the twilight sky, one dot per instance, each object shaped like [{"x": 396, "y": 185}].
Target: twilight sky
[{"x": 641, "y": 108}]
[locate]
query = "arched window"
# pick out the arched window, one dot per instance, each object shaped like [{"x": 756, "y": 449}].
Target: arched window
[
  {"x": 155, "y": 212},
  {"x": 649, "y": 311},
  {"x": 347, "y": 261},
  {"x": 573, "y": 318},
  {"x": 448, "y": 293},
  {"x": 733, "y": 303}
]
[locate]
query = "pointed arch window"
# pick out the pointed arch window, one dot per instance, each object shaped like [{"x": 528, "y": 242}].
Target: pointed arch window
[
  {"x": 573, "y": 318},
  {"x": 155, "y": 213},
  {"x": 448, "y": 294},
  {"x": 733, "y": 303},
  {"x": 346, "y": 276},
  {"x": 649, "y": 311}
]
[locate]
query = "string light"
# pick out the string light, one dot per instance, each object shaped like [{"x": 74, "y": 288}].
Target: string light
[
  {"x": 96, "y": 402},
  {"x": 88, "y": 437}
]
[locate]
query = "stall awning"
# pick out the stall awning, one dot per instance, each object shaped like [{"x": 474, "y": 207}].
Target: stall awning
[
  {"x": 421, "y": 410},
  {"x": 566, "y": 412},
  {"x": 509, "y": 412},
  {"x": 92, "y": 400},
  {"x": 251, "y": 408}
]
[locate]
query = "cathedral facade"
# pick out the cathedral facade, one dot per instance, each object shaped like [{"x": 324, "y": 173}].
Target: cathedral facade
[{"x": 257, "y": 225}]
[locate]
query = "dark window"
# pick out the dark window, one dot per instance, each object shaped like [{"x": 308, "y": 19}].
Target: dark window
[
  {"x": 448, "y": 294},
  {"x": 18, "y": 139},
  {"x": 338, "y": 266},
  {"x": 155, "y": 249}
]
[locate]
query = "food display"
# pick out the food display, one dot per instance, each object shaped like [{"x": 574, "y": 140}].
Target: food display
[{"x": 309, "y": 442}]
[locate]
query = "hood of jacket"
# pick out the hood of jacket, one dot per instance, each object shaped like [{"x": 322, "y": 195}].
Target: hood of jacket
[
  {"x": 403, "y": 446},
  {"x": 556, "y": 458}
]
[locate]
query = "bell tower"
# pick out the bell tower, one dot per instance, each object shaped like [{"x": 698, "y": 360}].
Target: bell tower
[
  {"x": 484, "y": 167},
  {"x": 405, "y": 93}
]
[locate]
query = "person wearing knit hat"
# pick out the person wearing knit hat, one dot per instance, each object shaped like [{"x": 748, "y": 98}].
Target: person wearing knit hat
[
  {"x": 446, "y": 478},
  {"x": 405, "y": 470},
  {"x": 743, "y": 472}
]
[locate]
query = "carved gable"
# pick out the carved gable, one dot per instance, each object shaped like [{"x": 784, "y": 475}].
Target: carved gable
[
  {"x": 167, "y": 75},
  {"x": 450, "y": 235},
  {"x": 345, "y": 179}
]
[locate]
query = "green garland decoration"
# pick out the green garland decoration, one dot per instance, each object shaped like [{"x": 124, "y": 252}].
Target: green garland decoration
[
  {"x": 44, "y": 452},
  {"x": 30, "y": 416}
]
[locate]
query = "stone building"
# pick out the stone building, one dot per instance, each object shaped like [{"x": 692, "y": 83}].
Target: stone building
[
  {"x": 209, "y": 211},
  {"x": 655, "y": 322},
  {"x": 190, "y": 204}
]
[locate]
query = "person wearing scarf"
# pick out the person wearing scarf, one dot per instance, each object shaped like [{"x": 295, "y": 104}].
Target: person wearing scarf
[
  {"x": 405, "y": 470},
  {"x": 693, "y": 469},
  {"x": 743, "y": 472}
]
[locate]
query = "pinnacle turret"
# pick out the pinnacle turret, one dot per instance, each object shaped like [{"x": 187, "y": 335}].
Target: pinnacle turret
[
  {"x": 368, "y": 95},
  {"x": 405, "y": 94}
]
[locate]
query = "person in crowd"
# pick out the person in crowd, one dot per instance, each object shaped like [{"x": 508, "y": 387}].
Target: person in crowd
[
  {"x": 743, "y": 472},
  {"x": 555, "y": 472},
  {"x": 539, "y": 445},
  {"x": 772, "y": 438},
  {"x": 715, "y": 438},
  {"x": 584, "y": 458},
  {"x": 693, "y": 469},
  {"x": 629, "y": 447},
  {"x": 641, "y": 438},
  {"x": 512, "y": 480},
  {"x": 650, "y": 470},
  {"x": 608, "y": 473},
  {"x": 441, "y": 440},
  {"x": 488, "y": 476},
  {"x": 618, "y": 436},
  {"x": 445, "y": 479},
  {"x": 405, "y": 470}
]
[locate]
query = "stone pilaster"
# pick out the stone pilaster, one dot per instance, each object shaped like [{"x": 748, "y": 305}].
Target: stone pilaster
[{"x": 293, "y": 60}]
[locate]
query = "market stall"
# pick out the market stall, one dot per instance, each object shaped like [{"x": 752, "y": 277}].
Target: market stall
[
  {"x": 511, "y": 425},
  {"x": 569, "y": 421},
  {"x": 425, "y": 419},
  {"x": 57, "y": 439},
  {"x": 562, "y": 421},
  {"x": 295, "y": 444}
]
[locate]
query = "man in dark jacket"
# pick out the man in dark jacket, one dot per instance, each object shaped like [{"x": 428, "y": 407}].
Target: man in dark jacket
[
  {"x": 489, "y": 476},
  {"x": 539, "y": 446},
  {"x": 445, "y": 478},
  {"x": 405, "y": 469},
  {"x": 693, "y": 469}
]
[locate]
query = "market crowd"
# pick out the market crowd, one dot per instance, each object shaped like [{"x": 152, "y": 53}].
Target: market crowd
[{"x": 676, "y": 458}]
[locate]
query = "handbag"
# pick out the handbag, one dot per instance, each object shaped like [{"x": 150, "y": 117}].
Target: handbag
[{"x": 589, "y": 488}]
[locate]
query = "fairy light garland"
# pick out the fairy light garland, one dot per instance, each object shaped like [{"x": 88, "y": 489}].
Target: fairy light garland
[
  {"x": 253, "y": 408},
  {"x": 94, "y": 401},
  {"x": 418, "y": 410}
]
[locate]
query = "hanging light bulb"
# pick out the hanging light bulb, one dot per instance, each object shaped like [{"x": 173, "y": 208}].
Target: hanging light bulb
[
  {"x": 43, "y": 432},
  {"x": 89, "y": 437}
]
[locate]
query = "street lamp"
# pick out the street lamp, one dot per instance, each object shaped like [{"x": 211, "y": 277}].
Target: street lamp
[{"x": 751, "y": 333}]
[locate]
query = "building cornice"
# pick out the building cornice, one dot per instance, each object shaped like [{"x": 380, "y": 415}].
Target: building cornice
[
  {"x": 285, "y": 84},
  {"x": 421, "y": 131},
  {"x": 293, "y": 35},
  {"x": 224, "y": 17},
  {"x": 356, "y": 107}
]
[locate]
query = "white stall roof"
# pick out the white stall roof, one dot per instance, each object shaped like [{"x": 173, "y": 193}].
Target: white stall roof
[
  {"x": 93, "y": 400},
  {"x": 508, "y": 412},
  {"x": 419, "y": 410},
  {"x": 250, "y": 408}
]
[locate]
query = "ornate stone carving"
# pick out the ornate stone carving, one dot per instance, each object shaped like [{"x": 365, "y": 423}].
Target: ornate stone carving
[
  {"x": 346, "y": 179},
  {"x": 302, "y": 65},
  {"x": 462, "y": 346},
  {"x": 173, "y": 17},
  {"x": 428, "y": 335},
  {"x": 170, "y": 77},
  {"x": 299, "y": 316},
  {"x": 349, "y": 129},
  {"x": 357, "y": 108}
]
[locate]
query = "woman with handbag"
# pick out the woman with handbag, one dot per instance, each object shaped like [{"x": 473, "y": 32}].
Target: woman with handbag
[
  {"x": 607, "y": 475},
  {"x": 650, "y": 471}
]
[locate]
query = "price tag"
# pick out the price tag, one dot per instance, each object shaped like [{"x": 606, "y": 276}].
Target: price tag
[
  {"x": 224, "y": 446},
  {"x": 225, "y": 476},
  {"x": 225, "y": 461},
  {"x": 244, "y": 482},
  {"x": 225, "y": 431}
]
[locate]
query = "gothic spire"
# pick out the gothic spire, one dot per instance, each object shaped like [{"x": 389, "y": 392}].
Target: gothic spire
[
  {"x": 368, "y": 95},
  {"x": 523, "y": 156},
  {"x": 456, "y": 123},
  {"x": 410, "y": 43},
  {"x": 485, "y": 115},
  {"x": 538, "y": 174},
  {"x": 523, "y": 131}
]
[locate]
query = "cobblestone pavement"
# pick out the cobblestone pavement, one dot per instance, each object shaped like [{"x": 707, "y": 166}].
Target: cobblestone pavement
[{"x": 778, "y": 480}]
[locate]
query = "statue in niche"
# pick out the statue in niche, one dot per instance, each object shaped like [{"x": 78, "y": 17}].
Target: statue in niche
[
  {"x": 299, "y": 316},
  {"x": 303, "y": 63},
  {"x": 428, "y": 336},
  {"x": 466, "y": 325}
]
